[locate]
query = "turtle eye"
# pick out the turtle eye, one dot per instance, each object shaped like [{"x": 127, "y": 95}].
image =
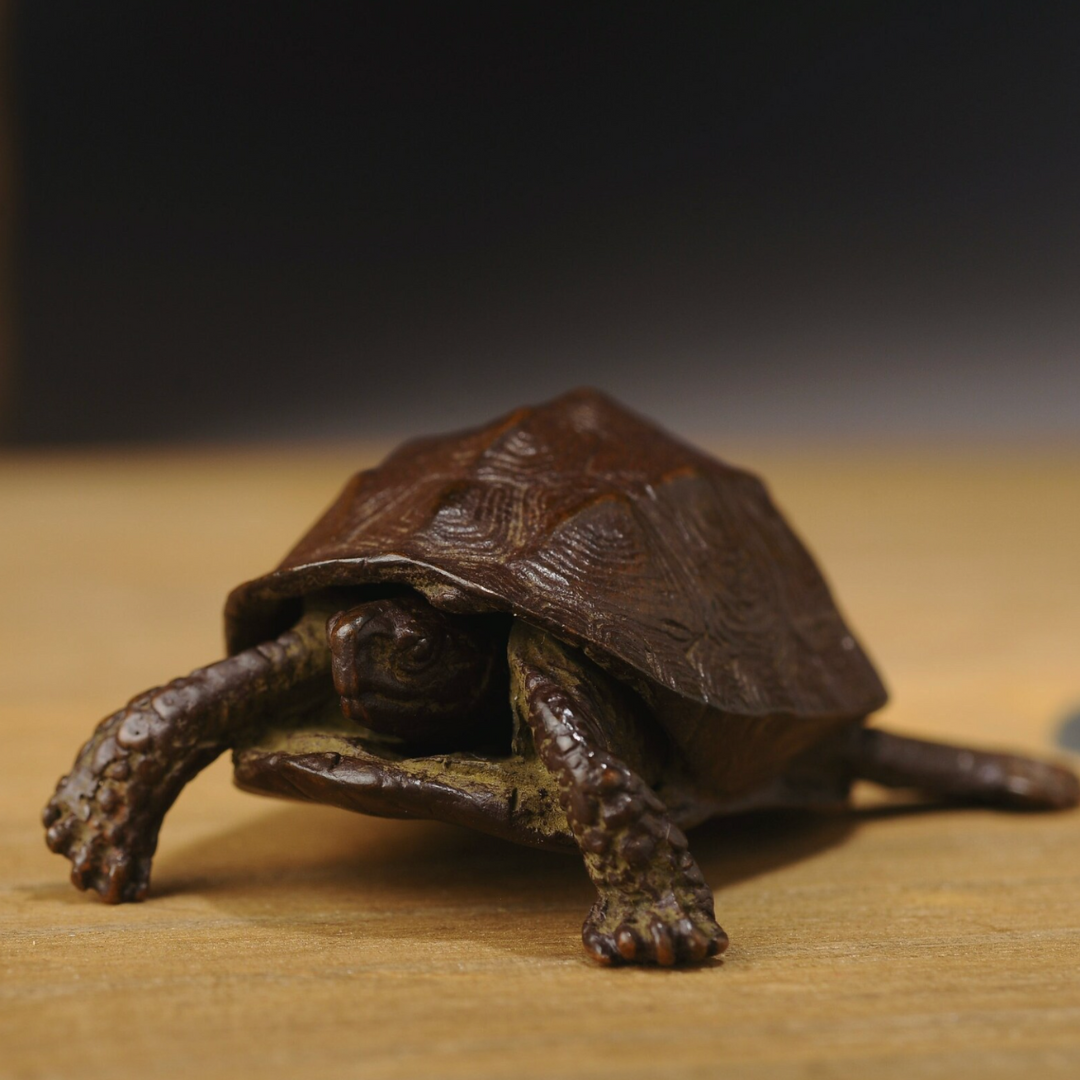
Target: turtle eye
[{"x": 417, "y": 650}]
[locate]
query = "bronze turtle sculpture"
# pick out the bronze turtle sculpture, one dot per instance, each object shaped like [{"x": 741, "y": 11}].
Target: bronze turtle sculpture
[{"x": 565, "y": 628}]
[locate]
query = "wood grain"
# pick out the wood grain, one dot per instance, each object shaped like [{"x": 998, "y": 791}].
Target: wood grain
[{"x": 295, "y": 940}]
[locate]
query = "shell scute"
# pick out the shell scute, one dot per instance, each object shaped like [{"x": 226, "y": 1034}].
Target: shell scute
[{"x": 593, "y": 523}]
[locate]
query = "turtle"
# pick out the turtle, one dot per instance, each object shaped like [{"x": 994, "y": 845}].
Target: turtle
[{"x": 567, "y": 628}]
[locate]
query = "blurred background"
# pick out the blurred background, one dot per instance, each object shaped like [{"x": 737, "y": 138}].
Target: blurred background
[{"x": 247, "y": 221}]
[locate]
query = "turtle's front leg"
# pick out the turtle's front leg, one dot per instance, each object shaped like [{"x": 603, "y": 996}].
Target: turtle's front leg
[
  {"x": 106, "y": 813},
  {"x": 654, "y": 905}
]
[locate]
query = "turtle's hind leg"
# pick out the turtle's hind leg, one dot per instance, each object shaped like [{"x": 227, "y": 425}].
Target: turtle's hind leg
[
  {"x": 106, "y": 813},
  {"x": 654, "y": 906},
  {"x": 960, "y": 773}
]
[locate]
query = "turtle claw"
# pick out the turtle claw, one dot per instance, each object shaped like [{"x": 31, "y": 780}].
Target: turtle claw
[
  {"x": 121, "y": 879},
  {"x": 663, "y": 933},
  {"x": 50, "y": 816},
  {"x": 89, "y": 823},
  {"x": 59, "y": 829},
  {"x": 84, "y": 870},
  {"x": 102, "y": 861}
]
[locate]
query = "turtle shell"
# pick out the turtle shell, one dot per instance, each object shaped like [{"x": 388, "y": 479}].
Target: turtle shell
[{"x": 665, "y": 565}]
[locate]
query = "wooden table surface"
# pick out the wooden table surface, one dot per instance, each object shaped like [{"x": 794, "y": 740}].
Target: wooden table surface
[{"x": 290, "y": 940}]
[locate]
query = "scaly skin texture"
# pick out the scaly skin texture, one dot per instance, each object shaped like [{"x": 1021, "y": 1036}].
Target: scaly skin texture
[
  {"x": 654, "y": 906},
  {"x": 106, "y": 813}
]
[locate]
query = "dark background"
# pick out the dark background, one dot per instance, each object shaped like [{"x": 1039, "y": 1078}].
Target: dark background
[{"x": 251, "y": 220}]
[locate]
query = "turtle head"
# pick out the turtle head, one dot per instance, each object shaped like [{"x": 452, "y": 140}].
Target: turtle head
[{"x": 407, "y": 670}]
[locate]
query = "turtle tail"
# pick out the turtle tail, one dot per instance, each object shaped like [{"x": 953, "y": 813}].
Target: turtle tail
[{"x": 961, "y": 774}]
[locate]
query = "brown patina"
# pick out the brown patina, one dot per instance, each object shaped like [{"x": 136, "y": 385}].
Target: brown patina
[{"x": 566, "y": 628}]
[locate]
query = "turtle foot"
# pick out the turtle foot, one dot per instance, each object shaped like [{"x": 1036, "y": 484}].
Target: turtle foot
[
  {"x": 107, "y": 855},
  {"x": 663, "y": 932},
  {"x": 97, "y": 820},
  {"x": 655, "y": 906}
]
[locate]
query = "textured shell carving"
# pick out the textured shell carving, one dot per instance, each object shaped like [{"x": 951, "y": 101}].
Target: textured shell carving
[{"x": 591, "y": 522}]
